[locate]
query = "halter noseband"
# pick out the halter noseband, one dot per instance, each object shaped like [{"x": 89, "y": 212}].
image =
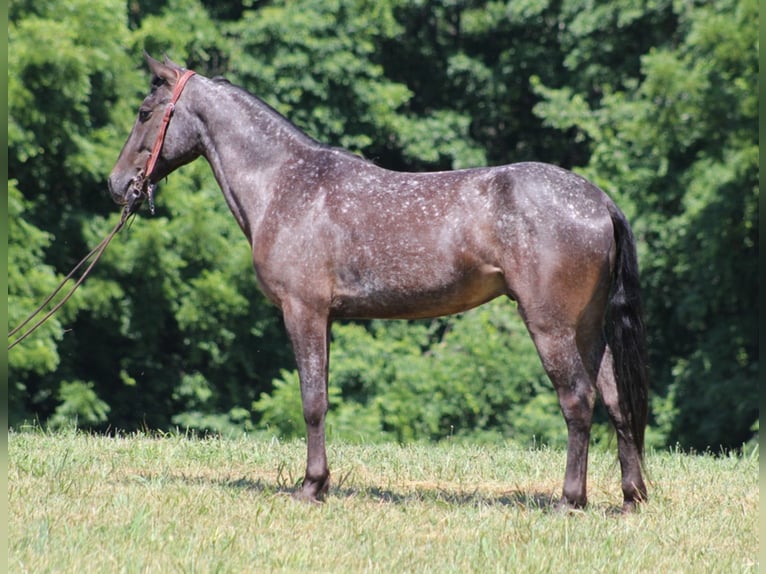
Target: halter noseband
[{"x": 145, "y": 186}]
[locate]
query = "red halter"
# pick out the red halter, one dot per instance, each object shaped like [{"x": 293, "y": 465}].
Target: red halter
[{"x": 179, "y": 87}]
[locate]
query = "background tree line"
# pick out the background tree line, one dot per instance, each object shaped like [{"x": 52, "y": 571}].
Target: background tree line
[{"x": 656, "y": 102}]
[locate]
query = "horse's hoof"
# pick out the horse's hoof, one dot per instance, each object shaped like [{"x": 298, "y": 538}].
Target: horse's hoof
[
  {"x": 303, "y": 496},
  {"x": 631, "y": 506},
  {"x": 311, "y": 492},
  {"x": 565, "y": 506}
]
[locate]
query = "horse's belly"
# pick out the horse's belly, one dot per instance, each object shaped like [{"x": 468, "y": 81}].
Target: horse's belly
[{"x": 397, "y": 296}]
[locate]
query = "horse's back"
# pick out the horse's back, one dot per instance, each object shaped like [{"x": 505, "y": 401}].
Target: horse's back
[{"x": 380, "y": 243}]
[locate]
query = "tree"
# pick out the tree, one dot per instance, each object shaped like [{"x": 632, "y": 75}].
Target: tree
[
  {"x": 64, "y": 113},
  {"x": 30, "y": 279}
]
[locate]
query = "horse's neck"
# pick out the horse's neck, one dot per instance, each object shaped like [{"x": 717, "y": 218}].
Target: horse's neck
[{"x": 246, "y": 142}]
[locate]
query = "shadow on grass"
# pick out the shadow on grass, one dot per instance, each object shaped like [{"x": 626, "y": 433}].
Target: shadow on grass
[
  {"x": 515, "y": 498},
  {"x": 520, "y": 499}
]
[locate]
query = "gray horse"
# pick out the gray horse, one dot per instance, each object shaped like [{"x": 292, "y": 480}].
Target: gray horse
[{"x": 334, "y": 236}]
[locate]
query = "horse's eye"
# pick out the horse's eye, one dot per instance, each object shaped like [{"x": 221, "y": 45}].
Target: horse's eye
[{"x": 144, "y": 115}]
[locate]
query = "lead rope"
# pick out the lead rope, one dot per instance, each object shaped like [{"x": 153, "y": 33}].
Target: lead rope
[{"x": 98, "y": 251}]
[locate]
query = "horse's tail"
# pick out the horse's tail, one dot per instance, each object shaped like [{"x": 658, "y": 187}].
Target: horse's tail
[{"x": 626, "y": 334}]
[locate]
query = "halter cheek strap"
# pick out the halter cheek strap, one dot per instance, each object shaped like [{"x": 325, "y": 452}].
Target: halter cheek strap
[{"x": 181, "y": 80}]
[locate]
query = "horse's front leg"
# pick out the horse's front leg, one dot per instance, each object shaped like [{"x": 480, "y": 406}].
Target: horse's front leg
[{"x": 308, "y": 329}]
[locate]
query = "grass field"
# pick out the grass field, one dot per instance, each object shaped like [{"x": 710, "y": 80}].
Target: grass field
[{"x": 82, "y": 503}]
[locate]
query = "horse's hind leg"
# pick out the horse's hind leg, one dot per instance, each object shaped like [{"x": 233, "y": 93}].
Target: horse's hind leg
[
  {"x": 557, "y": 347},
  {"x": 309, "y": 334},
  {"x": 633, "y": 487}
]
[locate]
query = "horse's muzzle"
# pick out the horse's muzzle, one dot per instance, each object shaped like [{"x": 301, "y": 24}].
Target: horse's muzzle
[
  {"x": 130, "y": 194},
  {"x": 118, "y": 190}
]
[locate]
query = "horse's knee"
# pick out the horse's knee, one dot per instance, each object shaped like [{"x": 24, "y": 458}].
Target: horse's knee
[
  {"x": 315, "y": 406},
  {"x": 577, "y": 404}
]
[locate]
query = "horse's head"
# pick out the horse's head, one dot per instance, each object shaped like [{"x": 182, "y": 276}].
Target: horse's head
[{"x": 156, "y": 145}]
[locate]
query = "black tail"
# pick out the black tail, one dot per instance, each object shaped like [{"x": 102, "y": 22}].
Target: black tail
[{"x": 626, "y": 334}]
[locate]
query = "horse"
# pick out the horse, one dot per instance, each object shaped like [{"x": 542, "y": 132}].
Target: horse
[{"x": 334, "y": 236}]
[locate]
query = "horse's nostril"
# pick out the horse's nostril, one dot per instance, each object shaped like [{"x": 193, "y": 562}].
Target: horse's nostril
[{"x": 133, "y": 198}]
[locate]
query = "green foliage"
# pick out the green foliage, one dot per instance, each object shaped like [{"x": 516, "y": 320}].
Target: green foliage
[
  {"x": 29, "y": 281},
  {"x": 194, "y": 39},
  {"x": 61, "y": 66},
  {"x": 655, "y": 102},
  {"x": 314, "y": 60},
  {"x": 78, "y": 405},
  {"x": 280, "y": 410}
]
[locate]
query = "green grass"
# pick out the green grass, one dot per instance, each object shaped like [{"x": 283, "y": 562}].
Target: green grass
[{"x": 82, "y": 503}]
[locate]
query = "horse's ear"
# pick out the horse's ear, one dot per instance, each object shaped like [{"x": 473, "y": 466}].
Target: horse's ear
[
  {"x": 169, "y": 62},
  {"x": 160, "y": 70}
]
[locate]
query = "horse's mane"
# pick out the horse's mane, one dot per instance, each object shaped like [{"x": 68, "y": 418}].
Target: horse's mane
[
  {"x": 260, "y": 103},
  {"x": 254, "y": 100}
]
